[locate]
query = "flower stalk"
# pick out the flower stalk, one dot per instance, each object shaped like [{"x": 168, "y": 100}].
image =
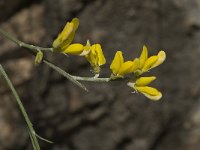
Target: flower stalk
[{"x": 120, "y": 68}]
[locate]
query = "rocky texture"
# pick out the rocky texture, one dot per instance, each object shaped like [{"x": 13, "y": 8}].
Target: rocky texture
[
  {"x": 109, "y": 117},
  {"x": 10, "y": 7}
]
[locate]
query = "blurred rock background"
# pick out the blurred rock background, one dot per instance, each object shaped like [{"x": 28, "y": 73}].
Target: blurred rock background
[{"x": 109, "y": 117}]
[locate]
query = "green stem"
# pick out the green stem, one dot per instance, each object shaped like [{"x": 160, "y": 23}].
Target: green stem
[
  {"x": 91, "y": 79},
  {"x": 30, "y": 47},
  {"x": 22, "y": 109},
  {"x": 65, "y": 74}
]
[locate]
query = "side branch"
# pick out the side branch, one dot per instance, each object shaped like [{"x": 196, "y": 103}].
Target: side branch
[
  {"x": 91, "y": 79},
  {"x": 31, "y": 130},
  {"x": 30, "y": 47}
]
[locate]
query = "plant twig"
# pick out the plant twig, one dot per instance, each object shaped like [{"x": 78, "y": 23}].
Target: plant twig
[
  {"x": 31, "y": 130},
  {"x": 91, "y": 79},
  {"x": 43, "y": 139},
  {"x": 65, "y": 74},
  {"x": 30, "y": 47}
]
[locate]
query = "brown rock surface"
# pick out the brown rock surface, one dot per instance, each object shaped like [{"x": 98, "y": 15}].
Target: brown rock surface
[{"x": 109, "y": 117}]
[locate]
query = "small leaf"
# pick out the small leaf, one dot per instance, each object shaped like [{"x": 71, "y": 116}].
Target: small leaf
[
  {"x": 38, "y": 57},
  {"x": 43, "y": 139}
]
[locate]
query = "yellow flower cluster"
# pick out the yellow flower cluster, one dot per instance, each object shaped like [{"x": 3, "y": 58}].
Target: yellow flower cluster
[
  {"x": 93, "y": 53},
  {"x": 120, "y": 68},
  {"x": 137, "y": 67}
]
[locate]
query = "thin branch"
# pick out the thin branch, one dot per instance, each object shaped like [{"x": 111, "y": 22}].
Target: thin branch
[
  {"x": 30, "y": 47},
  {"x": 91, "y": 79},
  {"x": 65, "y": 74},
  {"x": 31, "y": 130},
  {"x": 43, "y": 139}
]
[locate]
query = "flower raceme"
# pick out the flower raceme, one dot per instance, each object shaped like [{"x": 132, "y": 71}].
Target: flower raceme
[
  {"x": 137, "y": 67},
  {"x": 120, "y": 68},
  {"x": 140, "y": 85},
  {"x": 65, "y": 38}
]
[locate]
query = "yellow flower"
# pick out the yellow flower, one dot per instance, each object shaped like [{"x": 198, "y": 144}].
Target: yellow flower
[
  {"x": 66, "y": 36},
  {"x": 95, "y": 57},
  {"x": 120, "y": 68},
  {"x": 78, "y": 49},
  {"x": 148, "y": 63},
  {"x": 141, "y": 86}
]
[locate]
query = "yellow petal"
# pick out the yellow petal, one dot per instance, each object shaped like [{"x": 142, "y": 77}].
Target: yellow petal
[
  {"x": 149, "y": 92},
  {"x": 69, "y": 28},
  {"x": 117, "y": 62},
  {"x": 66, "y": 31},
  {"x": 75, "y": 22},
  {"x": 149, "y": 63},
  {"x": 87, "y": 46},
  {"x": 91, "y": 56},
  {"x": 63, "y": 35},
  {"x": 161, "y": 58},
  {"x": 75, "y": 49},
  {"x": 67, "y": 42},
  {"x": 87, "y": 49},
  {"x": 136, "y": 64},
  {"x": 100, "y": 55},
  {"x": 125, "y": 68},
  {"x": 142, "y": 81},
  {"x": 66, "y": 36},
  {"x": 143, "y": 56}
]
